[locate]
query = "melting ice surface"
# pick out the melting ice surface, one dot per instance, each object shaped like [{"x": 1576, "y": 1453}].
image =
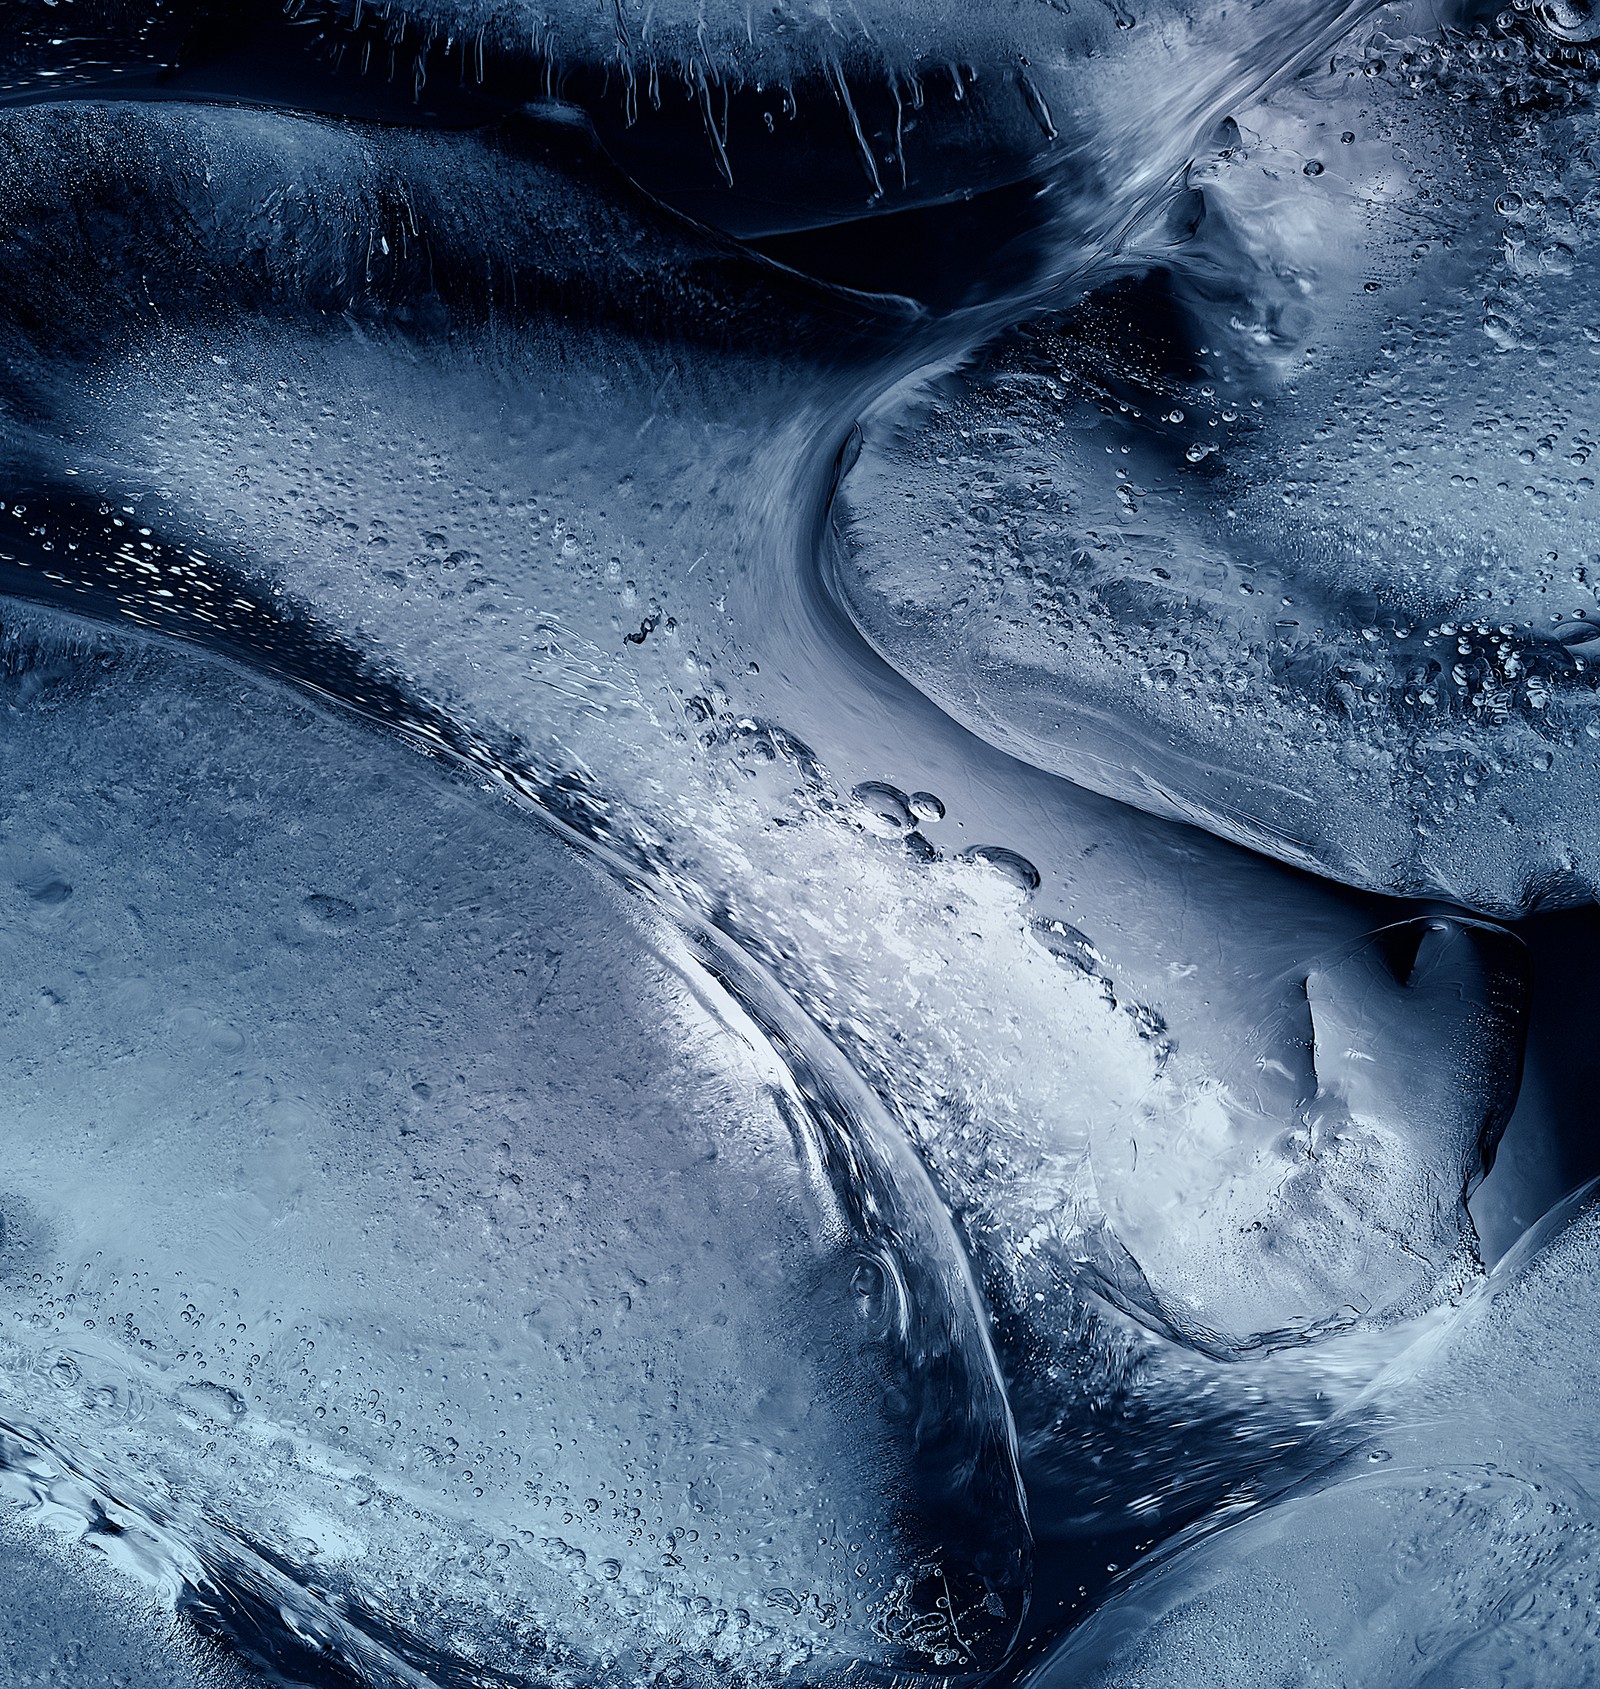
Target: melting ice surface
[
  {"x": 67, "y": 1620},
  {"x": 1447, "y": 1540},
  {"x": 632, "y": 632},
  {"x": 699, "y": 1176},
  {"x": 1289, "y": 526}
]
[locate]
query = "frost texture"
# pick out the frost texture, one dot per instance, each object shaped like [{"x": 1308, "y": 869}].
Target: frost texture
[
  {"x": 68, "y": 1621},
  {"x": 489, "y": 563}
]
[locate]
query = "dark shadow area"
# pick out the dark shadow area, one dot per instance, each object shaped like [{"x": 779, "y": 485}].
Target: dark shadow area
[
  {"x": 249, "y": 52},
  {"x": 944, "y": 256},
  {"x": 1551, "y": 1145},
  {"x": 762, "y": 162},
  {"x": 750, "y": 160}
]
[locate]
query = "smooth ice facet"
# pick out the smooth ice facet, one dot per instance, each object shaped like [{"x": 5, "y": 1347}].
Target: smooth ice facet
[{"x": 412, "y": 1231}]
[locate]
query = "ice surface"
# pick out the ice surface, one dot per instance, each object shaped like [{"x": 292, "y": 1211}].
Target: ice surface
[
  {"x": 546, "y": 518},
  {"x": 761, "y": 118},
  {"x": 921, "y": 102},
  {"x": 404, "y": 1229},
  {"x": 622, "y": 1197},
  {"x": 1449, "y": 1541},
  {"x": 65, "y": 1621},
  {"x": 1420, "y": 1025},
  {"x": 1289, "y": 528}
]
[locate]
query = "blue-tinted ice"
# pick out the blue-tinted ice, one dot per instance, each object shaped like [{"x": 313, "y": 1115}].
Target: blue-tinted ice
[
  {"x": 573, "y": 608},
  {"x": 587, "y": 1103},
  {"x": 1446, "y": 1538},
  {"x": 1288, "y": 526},
  {"x": 415, "y": 1232}
]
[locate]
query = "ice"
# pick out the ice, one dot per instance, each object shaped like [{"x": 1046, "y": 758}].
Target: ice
[
  {"x": 760, "y": 119},
  {"x": 1448, "y": 1540},
  {"x": 1288, "y": 529},
  {"x": 586, "y": 1105},
  {"x": 68, "y": 1622},
  {"x": 1420, "y": 1025},
  {"x": 566, "y": 553},
  {"x": 802, "y": 114},
  {"x": 407, "y": 1235}
]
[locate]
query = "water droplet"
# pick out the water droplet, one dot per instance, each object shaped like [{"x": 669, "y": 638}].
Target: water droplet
[
  {"x": 926, "y": 807},
  {"x": 1018, "y": 869},
  {"x": 886, "y": 805}
]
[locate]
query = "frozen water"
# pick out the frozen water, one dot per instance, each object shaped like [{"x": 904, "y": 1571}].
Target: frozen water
[
  {"x": 394, "y": 1220},
  {"x": 1449, "y": 1541},
  {"x": 626, "y": 1194},
  {"x": 1419, "y": 1025},
  {"x": 919, "y": 103},
  {"x": 762, "y": 119},
  {"x": 67, "y": 1621},
  {"x": 568, "y": 556},
  {"x": 1288, "y": 529}
]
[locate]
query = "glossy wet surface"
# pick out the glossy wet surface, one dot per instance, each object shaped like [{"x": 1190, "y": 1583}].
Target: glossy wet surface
[{"x": 770, "y": 815}]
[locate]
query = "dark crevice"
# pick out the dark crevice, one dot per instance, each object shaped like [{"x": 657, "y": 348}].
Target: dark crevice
[
  {"x": 946, "y": 257},
  {"x": 751, "y": 160}
]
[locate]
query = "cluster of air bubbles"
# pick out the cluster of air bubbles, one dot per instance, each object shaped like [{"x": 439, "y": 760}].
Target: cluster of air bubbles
[
  {"x": 1077, "y": 952},
  {"x": 1534, "y": 56},
  {"x": 893, "y": 814}
]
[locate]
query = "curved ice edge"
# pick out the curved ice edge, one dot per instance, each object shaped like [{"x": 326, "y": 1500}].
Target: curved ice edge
[
  {"x": 870, "y": 1171},
  {"x": 240, "y": 1593},
  {"x": 268, "y": 1611},
  {"x": 864, "y": 1170},
  {"x": 1131, "y": 1601}
]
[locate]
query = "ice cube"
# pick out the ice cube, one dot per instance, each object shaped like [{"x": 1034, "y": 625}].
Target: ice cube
[
  {"x": 1289, "y": 534},
  {"x": 392, "y": 1210},
  {"x": 1448, "y": 1539}
]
